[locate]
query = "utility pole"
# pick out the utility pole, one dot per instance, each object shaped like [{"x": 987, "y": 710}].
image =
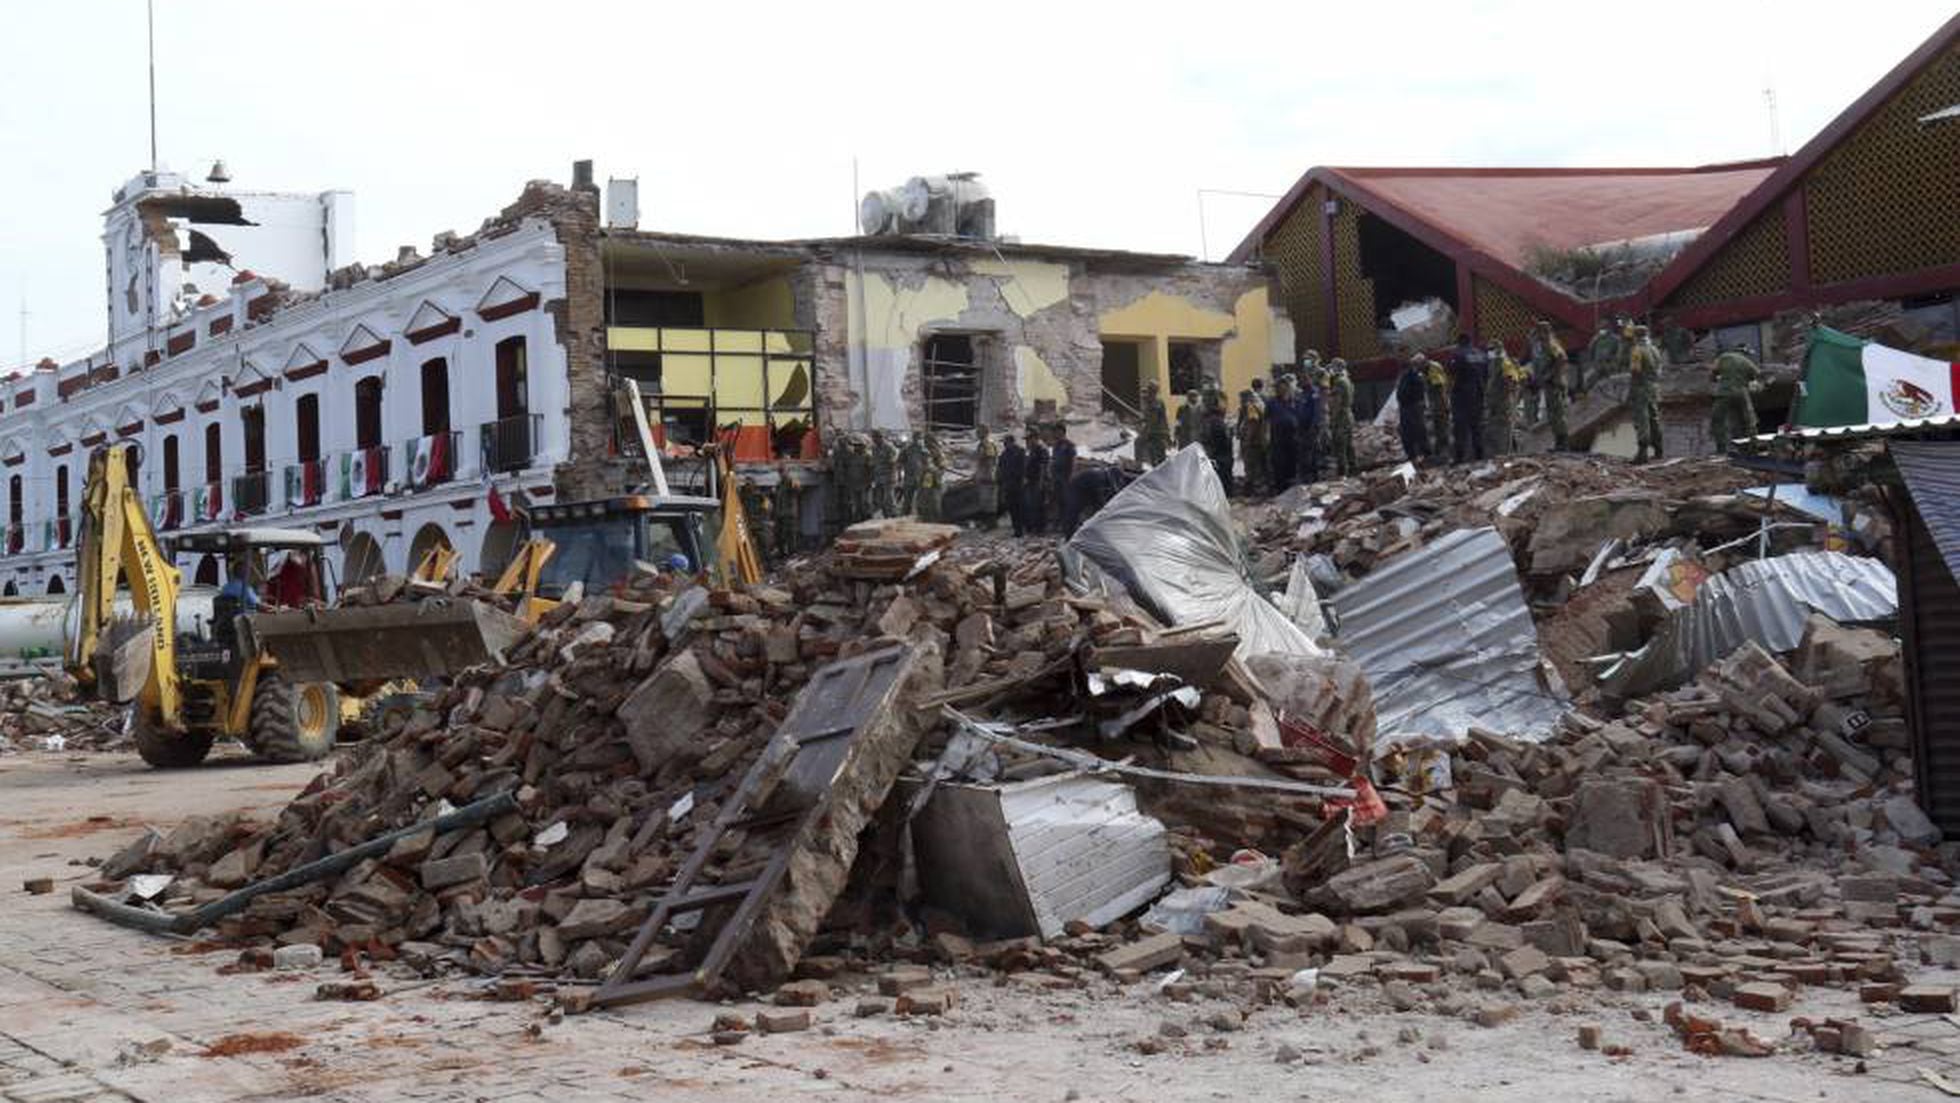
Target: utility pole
[{"x": 150, "y": 7}]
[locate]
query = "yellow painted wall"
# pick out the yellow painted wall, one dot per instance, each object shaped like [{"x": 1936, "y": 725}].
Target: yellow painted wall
[
  {"x": 764, "y": 304},
  {"x": 1027, "y": 285},
  {"x": 1159, "y": 318},
  {"x": 1035, "y": 380},
  {"x": 891, "y": 317}
]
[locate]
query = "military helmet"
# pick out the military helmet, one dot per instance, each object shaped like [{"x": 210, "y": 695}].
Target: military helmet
[
  {"x": 1191, "y": 396},
  {"x": 1640, "y": 331}
]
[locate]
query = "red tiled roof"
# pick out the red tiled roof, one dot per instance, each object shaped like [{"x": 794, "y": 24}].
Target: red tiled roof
[{"x": 1505, "y": 213}]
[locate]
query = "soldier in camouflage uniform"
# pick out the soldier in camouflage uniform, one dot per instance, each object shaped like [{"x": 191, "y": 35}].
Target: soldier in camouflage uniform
[
  {"x": 856, "y": 480},
  {"x": 1643, "y": 395},
  {"x": 884, "y": 474},
  {"x": 911, "y": 469},
  {"x": 931, "y": 477},
  {"x": 1733, "y": 415},
  {"x": 1501, "y": 401},
  {"x": 1601, "y": 357},
  {"x": 1154, "y": 443},
  {"x": 1254, "y": 444},
  {"x": 1438, "y": 379},
  {"x": 1340, "y": 417},
  {"x": 1189, "y": 417},
  {"x": 787, "y": 509},
  {"x": 1548, "y": 364},
  {"x": 986, "y": 458}
]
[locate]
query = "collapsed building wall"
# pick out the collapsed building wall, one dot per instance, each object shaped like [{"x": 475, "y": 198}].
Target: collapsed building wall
[{"x": 1005, "y": 333}]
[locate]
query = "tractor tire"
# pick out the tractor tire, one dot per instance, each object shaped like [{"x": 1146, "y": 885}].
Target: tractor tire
[
  {"x": 165, "y": 750},
  {"x": 292, "y": 723}
]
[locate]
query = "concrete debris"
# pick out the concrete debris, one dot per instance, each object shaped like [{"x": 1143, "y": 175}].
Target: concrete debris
[
  {"x": 1737, "y": 839},
  {"x": 42, "y": 712}
]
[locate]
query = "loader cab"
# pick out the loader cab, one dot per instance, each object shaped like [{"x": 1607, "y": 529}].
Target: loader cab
[
  {"x": 265, "y": 568},
  {"x": 599, "y": 541}
]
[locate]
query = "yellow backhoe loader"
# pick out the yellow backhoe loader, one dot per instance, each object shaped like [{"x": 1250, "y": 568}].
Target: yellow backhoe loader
[{"x": 269, "y": 679}]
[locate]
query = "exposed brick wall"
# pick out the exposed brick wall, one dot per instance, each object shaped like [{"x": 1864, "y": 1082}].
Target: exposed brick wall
[{"x": 580, "y": 321}]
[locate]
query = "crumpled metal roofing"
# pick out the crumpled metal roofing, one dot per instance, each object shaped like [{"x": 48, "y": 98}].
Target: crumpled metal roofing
[
  {"x": 1765, "y": 600},
  {"x": 1169, "y": 539},
  {"x": 1447, "y": 641},
  {"x": 1932, "y": 474}
]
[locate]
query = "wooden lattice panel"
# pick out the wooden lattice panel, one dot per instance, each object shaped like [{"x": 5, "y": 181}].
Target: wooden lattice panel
[
  {"x": 1754, "y": 262},
  {"x": 1354, "y": 295},
  {"x": 1294, "y": 251},
  {"x": 1501, "y": 314},
  {"x": 1887, "y": 199}
]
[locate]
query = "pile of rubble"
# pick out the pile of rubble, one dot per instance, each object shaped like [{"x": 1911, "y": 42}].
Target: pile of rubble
[
  {"x": 41, "y": 712},
  {"x": 1554, "y": 510},
  {"x": 621, "y": 725},
  {"x": 1737, "y": 838}
]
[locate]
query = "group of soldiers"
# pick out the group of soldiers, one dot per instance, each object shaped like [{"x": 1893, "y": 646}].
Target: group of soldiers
[
  {"x": 1288, "y": 436},
  {"x": 877, "y": 477},
  {"x": 1475, "y": 406}
]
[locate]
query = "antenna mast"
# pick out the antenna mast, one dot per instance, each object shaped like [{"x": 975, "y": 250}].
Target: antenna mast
[{"x": 151, "y": 8}]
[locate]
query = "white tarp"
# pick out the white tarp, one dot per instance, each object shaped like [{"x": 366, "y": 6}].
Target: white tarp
[{"x": 1168, "y": 538}]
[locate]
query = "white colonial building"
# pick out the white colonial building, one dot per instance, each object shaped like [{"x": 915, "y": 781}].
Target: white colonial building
[{"x": 389, "y": 408}]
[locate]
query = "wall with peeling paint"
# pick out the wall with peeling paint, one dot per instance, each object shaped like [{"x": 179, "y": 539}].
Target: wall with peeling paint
[{"x": 1038, "y": 325}]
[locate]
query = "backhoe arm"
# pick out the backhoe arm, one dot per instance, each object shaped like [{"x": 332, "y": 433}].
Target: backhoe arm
[{"x": 115, "y": 540}]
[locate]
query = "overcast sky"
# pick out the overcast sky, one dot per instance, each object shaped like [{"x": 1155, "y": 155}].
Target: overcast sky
[{"x": 1092, "y": 124}]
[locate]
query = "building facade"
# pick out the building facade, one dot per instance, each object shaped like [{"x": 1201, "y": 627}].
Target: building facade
[
  {"x": 1863, "y": 213},
  {"x": 427, "y": 401}
]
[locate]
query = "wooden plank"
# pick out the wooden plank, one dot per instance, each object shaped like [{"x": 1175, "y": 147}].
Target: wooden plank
[{"x": 823, "y": 787}]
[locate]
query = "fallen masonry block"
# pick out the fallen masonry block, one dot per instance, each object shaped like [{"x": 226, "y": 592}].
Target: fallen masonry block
[
  {"x": 302, "y": 955},
  {"x": 1932, "y": 999},
  {"x": 897, "y": 982},
  {"x": 802, "y": 993},
  {"x": 1523, "y": 962},
  {"x": 441, "y": 873},
  {"x": 1143, "y": 955},
  {"x": 1381, "y": 884},
  {"x": 38, "y": 886},
  {"x": 1459, "y": 887},
  {"x": 1761, "y": 997},
  {"x": 782, "y": 1022},
  {"x": 1623, "y": 819},
  {"x": 1266, "y": 929},
  {"x": 926, "y": 1001}
]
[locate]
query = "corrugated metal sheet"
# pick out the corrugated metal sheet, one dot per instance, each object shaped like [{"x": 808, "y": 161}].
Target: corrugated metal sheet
[
  {"x": 1765, "y": 600},
  {"x": 1869, "y": 429},
  {"x": 1932, "y": 474},
  {"x": 1928, "y": 525},
  {"x": 1028, "y": 857},
  {"x": 1929, "y": 629},
  {"x": 1447, "y": 641}
]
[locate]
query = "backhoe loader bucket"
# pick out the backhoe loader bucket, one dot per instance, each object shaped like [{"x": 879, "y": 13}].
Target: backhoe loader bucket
[{"x": 424, "y": 639}]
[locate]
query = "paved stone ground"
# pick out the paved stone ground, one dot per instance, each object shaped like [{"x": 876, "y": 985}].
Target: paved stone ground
[{"x": 86, "y": 1010}]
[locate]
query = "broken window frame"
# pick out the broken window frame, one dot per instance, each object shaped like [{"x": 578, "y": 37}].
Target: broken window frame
[
  {"x": 950, "y": 384},
  {"x": 760, "y": 430}
]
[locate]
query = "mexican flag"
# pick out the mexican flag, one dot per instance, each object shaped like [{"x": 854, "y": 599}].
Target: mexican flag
[{"x": 1851, "y": 381}]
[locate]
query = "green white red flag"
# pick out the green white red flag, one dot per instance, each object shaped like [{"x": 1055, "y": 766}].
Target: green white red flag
[{"x": 1851, "y": 381}]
